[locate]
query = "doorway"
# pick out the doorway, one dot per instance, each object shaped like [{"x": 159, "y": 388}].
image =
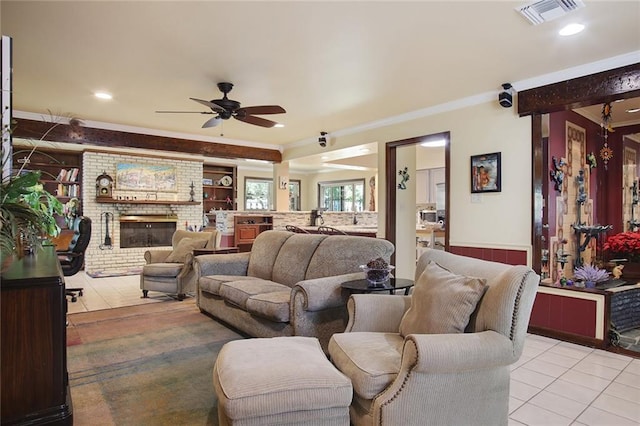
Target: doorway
[{"x": 391, "y": 171}]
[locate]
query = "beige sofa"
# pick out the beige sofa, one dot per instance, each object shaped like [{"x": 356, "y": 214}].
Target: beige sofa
[
  {"x": 440, "y": 356},
  {"x": 288, "y": 285}
]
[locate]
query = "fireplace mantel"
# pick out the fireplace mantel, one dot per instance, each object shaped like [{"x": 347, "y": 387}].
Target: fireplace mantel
[{"x": 163, "y": 202}]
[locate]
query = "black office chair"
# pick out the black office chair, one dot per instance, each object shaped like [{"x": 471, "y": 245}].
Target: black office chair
[{"x": 72, "y": 259}]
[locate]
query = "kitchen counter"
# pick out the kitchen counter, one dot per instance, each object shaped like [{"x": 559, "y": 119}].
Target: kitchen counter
[{"x": 365, "y": 230}]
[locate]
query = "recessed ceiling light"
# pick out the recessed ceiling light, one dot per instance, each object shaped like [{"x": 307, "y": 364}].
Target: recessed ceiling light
[
  {"x": 571, "y": 29},
  {"x": 363, "y": 150},
  {"x": 324, "y": 158},
  {"x": 278, "y": 125},
  {"x": 632, "y": 110},
  {"x": 103, "y": 95},
  {"x": 433, "y": 144}
]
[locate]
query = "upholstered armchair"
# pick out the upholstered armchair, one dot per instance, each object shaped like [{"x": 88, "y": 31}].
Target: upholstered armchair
[
  {"x": 171, "y": 271},
  {"x": 440, "y": 356}
]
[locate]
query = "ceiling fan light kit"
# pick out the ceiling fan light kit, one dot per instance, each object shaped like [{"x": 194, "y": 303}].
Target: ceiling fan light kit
[{"x": 226, "y": 108}]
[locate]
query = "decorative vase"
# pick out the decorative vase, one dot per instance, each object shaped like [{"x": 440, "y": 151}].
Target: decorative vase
[{"x": 377, "y": 277}]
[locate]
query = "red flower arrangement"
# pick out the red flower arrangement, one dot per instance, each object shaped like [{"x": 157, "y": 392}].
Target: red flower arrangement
[{"x": 624, "y": 245}]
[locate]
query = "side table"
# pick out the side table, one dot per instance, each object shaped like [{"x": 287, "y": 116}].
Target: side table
[
  {"x": 363, "y": 286},
  {"x": 219, "y": 250}
]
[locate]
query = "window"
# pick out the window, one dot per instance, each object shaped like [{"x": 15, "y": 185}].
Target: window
[
  {"x": 258, "y": 194},
  {"x": 294, "y": 195},
  {"x": 341, "y": 196}
]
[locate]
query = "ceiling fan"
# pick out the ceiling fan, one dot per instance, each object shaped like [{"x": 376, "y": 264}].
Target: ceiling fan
[{"x": 226, "y": 108}]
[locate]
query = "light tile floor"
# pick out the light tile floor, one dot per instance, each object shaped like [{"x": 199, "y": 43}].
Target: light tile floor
[{"x": 553, "y": 383}]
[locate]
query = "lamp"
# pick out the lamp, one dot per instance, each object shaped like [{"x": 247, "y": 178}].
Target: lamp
[{"x": 212, "y": 122}]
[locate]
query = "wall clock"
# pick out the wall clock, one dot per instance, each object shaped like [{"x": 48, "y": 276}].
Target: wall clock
[{"x": 104, "y": 186}]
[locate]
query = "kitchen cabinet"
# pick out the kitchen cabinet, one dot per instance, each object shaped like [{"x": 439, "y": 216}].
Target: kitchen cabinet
[
  {"x": 430, "y": 186},
  {"x": 247, "y": 227}
]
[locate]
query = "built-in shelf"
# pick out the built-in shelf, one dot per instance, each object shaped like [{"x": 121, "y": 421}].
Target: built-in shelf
[{"x": 163, "y": 202}]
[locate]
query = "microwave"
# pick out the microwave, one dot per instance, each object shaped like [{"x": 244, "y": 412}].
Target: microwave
[{"x": 428, "y": 216}]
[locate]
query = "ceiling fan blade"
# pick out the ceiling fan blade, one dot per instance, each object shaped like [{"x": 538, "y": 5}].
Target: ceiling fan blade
[
  {"x": 212, "y": 122},
  {"x": 263, "y": 109},
  {"x": 185, "y": 112},
  {"x": 255, "y": 120},
  {"x": 209, "y": 104}
]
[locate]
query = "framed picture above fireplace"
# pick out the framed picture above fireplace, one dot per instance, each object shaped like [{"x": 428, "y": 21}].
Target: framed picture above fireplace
[{"x": 146, "y": 177}]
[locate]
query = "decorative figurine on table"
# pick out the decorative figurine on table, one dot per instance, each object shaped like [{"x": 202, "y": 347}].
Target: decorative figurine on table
[
  {"x": 617, "y": 271},
  {"x": 557, "y": 173}
]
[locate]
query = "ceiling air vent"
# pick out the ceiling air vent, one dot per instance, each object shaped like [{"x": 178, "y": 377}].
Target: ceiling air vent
[{"x": 547, "y": 10}]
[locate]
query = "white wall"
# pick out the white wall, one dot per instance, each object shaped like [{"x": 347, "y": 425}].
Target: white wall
[{"x": 498, "y": 220}]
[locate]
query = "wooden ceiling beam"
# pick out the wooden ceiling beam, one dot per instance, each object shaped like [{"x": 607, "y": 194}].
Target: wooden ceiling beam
[{"x": 33, "y": 129}]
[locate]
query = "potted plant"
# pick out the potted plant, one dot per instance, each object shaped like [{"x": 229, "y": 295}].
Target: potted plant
[
  {"x": 27, "y": 211},
  {"x": 590, "y": 275},
  {"x": 624, "y": 245}
]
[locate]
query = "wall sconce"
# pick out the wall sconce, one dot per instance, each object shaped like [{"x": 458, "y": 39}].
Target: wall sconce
[{"x": 322, "y": 140}]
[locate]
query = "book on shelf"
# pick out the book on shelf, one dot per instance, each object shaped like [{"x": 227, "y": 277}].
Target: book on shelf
[{"x": 68, "y": 175}]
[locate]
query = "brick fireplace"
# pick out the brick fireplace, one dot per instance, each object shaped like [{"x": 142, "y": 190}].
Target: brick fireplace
[
  {"x": 147, "y": 230},
  {"x": 117, "y": 258}
]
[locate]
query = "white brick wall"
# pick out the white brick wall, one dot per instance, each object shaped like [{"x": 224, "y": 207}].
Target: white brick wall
[{"x": 99, "y": 260}]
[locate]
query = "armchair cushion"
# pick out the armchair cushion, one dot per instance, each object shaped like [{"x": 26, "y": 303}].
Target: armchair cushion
[
  {"x": 184, "y": 247},
  {"x": 442, "y": 302},
  {"x": 370, "y": 360},
  {"x": 162, "y": 269}
]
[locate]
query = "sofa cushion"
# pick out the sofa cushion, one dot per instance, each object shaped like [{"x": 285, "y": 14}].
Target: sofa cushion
[
  {"x": 370, "y": 375},
  {"x": 272, "y": 306},
  {"x": 293, "y": 259},
  {"x": 342, "y": 254},
  {"x": 162, "y": 269},
  {"x": 237, "y": 292},
  {"x": 211, "y": 283},
  {"x": 184, "y": 247},
  {"x": 264, "y": 251},
  {"x": 442, "y": 302}
]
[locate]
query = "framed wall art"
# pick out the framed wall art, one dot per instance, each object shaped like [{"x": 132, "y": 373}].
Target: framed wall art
[
  {"x": 486, "y": 173},
  {"x": 146, "y": 177}
]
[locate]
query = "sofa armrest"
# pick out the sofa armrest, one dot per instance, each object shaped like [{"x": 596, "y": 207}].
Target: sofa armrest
[
  {"x": 222, "y": 264},
  {"x": 323, "y": 293},
  {"x": 455, "y": 353},
  {"x": 156, "y": 256},
  {"x": 376, "y": 312}
]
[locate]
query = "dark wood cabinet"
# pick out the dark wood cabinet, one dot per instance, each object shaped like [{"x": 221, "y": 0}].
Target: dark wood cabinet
[
  {"x": 247, "y": 227},
  {"x": 35, "y": 388}
]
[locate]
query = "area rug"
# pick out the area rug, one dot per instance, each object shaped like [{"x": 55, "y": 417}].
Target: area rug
[
  {"x": 116, "y": 272},
  {"x": 144, "y": 365}
]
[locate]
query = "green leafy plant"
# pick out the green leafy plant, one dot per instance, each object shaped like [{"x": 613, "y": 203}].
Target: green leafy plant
[{"x": 27, "y": 211}]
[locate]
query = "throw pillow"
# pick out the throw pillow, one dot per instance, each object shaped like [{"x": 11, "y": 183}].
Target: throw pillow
[
  {"x": 184, "y": 247},
  {"x": 442, "y": 302}
]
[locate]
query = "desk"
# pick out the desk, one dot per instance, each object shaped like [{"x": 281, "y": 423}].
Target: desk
[{"x": 362, "y": 286}]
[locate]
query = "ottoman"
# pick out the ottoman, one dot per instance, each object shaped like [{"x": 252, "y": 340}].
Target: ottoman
[{"x": 278, "y": 381}]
